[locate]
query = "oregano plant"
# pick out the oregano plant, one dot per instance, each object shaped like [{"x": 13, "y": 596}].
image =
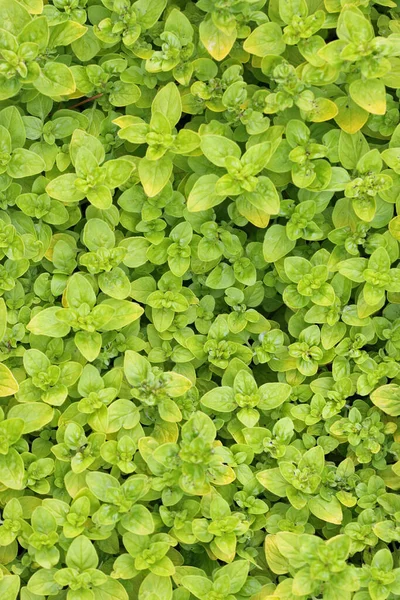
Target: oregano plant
[{"x": 199, "y": 300}]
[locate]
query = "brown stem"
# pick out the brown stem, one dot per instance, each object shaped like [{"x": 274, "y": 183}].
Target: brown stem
[{"x": 86, "y": 101}]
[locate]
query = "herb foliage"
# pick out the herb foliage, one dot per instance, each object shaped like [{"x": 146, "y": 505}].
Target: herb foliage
[{"x": 199, "y": 299}]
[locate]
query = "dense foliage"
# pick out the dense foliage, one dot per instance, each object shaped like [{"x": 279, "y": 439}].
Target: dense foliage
[{"x": 199, "y": 299}]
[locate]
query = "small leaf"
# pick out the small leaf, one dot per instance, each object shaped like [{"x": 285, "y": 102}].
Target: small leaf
[
  {"x": 154, "y": 175},
  {"x": 8, "y": 383},
  {"x": 387, "y": 398},
  {"x": 216, "y": 42},
  {"x": 370, "y": 95},
  {"x": 265, "y": 39},
  {"x": 81, "y": 554}
]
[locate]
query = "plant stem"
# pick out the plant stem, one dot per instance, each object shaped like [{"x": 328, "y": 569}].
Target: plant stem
[{"x": 86, "y": 101}]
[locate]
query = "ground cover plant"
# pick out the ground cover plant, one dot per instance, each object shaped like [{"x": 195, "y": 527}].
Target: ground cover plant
[{"x": 199, "y": 300}]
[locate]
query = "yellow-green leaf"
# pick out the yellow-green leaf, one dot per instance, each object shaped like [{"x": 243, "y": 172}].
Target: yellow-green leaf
[
  {"x": 329, "y": 511},
  {"x": 3, "y": 318},
  {"x": 202, "y": 195},
  {"x": 217, "y": 43},
  {"x": 370, "y": 95},
  {"x": 387, "y": 398},
  {"x": 154, "y": 174},
  {"x": 276, "y": 561},
  {"x": 350, "y": 117},
  {"x": 394, "y": 228},
  {"x": 323, "y": 110},
  {"x": 265, "y": 39},
  {"x": 8, "y": 383}
]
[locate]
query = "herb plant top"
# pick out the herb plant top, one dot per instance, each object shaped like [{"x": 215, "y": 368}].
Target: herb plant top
[{"x": 199, "y": 300}]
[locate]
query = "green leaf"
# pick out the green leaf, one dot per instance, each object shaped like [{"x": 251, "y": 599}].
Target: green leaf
[
  {"x": 24, "y": 163},
  {"x": 292, "y": 8},
  {"x": 42, "y": 582},
  {"x": 117, "y": 172},
  {"x": 63, "y": 188},
  {"x": 276, "y": 243},
  {"x": 139, "y": 520},
  {"x": 11, "y": 120},
  {"x": 79, "y": 291},
  {"x": 87, "y": 46},
  {"x": 154, "y": 175},
  {"x": 257, "y": 156},
  {"x": 8, "y": 383},
  {"x": 218, "y": 43},
  {"x": 66, "y": 33},
  {"x": 168, "y": 103},
  {"x": 237, "y": 573},
  {"x": 45, "y": 322},
  {"x": 3, "y": 318},
  {"x": 136, "y": 367},
  {"x": 351, "y": 148},
  {"x": 81, "y": 554},
  {"x": 88, "y": 344},
  {"x": 124, "y": 93},
  {"x": 9, "y": 587},
  {"x": 329, "y": 511},
  {"x": 197, "y": 585},
  {"x": 34, "y": 414},
  {"x": 111, "y": 590},
  {"x": 98, "y": 234},
  {"x": 220, "y": 399},
  {"x": 354, "y": 27},
  {"x": 202, "y": 196},
  {"x": 265, "y": 39},
  {"x": 155, "y": 587},
  {"x": 273, "y": 395},
  {"x": 12, "y": 470},
  {"x": 276, "y": 561},
  {"x": 100, "y": 484},
  {"x": 370, "y": 95},
  {"x": 175, "y": 384},
  {"x": 125, "y": 313},
  {"x": 55, "y": 79},
  {"x": 351, "y": 117},
  {"x": 13, "y": 16},
  {"x": 387, "y": 398},
  {"x": 217, "y": 148}
]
